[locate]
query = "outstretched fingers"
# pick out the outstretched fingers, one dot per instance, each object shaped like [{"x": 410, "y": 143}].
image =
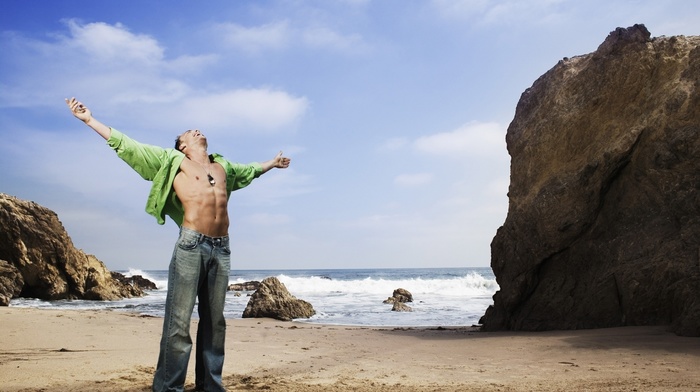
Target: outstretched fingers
[
  {"x": 78, "y": 109},
  {"x": 75, "y": 105}
]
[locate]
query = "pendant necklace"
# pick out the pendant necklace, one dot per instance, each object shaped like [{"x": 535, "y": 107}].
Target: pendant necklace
[{"x": 211, "y": 179}]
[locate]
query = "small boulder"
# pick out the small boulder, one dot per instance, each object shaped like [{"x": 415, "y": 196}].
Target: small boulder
[
  {"x": 246, "y": 286},
  {"x": 403, "y": 295},
  {"x": 401, "y": 307},
  {"x": 399, "y": 295},
  {"x": 137, "y": 281},
  {"x": 272, "y": 299}
]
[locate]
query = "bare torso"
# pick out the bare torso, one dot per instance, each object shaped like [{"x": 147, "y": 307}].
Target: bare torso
[{"x": 206, "y": 206}]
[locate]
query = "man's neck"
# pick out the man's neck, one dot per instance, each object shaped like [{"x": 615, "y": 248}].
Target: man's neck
[{"x": 200, "y": 156}]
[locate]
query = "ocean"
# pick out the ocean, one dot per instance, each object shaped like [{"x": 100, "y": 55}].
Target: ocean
[{"x": 352, "y": 297}]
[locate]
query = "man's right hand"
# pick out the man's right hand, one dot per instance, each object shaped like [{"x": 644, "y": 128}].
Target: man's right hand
[{"x": 79, "y": 110}]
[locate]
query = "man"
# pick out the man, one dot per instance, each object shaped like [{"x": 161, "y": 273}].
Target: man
[{"x": 193, "y": 188}]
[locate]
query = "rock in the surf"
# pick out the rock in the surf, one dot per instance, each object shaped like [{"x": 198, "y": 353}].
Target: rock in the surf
[
  {"x": 401, "y": 307},
  {"x": 273, "y": 300},
  {"x": 245, "y": 286},
  {"x": 400, "y": 295}
]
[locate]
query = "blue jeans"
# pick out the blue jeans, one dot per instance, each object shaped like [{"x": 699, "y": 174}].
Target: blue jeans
[{"x": 199, "y": 268}]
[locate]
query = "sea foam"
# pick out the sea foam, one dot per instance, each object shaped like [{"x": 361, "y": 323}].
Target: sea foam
[{"x": 441, "y": 297}]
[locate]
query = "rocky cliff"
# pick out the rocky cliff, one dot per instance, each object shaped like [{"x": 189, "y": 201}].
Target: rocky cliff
[
  {"x": 603, "y": 225},
  {"x": 38, "y": 259}
]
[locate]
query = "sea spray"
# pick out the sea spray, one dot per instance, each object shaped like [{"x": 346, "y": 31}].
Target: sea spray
[
  {"x": 161, "y": 284},
  {"x": 442, "y": 297}
]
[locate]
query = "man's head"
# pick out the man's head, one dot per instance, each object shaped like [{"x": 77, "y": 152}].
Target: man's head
[{"x": 192, "y": 137}]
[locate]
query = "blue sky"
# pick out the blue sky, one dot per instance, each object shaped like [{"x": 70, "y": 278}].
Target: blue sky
[{"x": 394, "y": 113}]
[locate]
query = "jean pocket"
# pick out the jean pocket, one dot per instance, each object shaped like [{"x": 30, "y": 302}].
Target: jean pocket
[
  {"x": 188, "y": 243},
  {"x": 226, "y": 249}
]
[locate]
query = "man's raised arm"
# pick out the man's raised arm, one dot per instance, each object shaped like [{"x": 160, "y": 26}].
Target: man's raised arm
[{"x": 82, "y": 113}]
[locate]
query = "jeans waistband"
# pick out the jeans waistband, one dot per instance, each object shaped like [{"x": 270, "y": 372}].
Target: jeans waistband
[{"x": 216, "y": 241}]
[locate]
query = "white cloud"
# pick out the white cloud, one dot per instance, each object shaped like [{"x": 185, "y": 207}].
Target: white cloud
[
  {"x": 460, "y": 8},
  {"x": 105, "y": 62},
  {"x": 187, "y": 64},
  {"x": 275, "y": 187},
  {"x": 261, "y": 108},
  {"x": 470, "y": 139},
  {"x": 490, "y": 12},
  {"x": 105, "y": 43},
  {"x": 256, "y": 38},
  {"x": 125, "y": 75},
  {"x": 322, "y": 37},
  {"x": 412, "y": 180},
  {"x": 281, "y": 35}
]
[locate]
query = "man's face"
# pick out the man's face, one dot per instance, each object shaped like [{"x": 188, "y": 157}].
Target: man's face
[{"x": 192, "y": 137}]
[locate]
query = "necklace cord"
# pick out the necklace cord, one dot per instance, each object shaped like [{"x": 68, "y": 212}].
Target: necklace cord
[{"x": 211, "y": 179}]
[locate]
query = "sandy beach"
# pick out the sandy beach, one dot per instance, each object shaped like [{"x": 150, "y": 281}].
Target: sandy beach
[{"x": 50, "y": 350}]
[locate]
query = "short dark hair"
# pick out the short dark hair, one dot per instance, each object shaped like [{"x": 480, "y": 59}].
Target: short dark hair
[{"x": 178, "y": 142}]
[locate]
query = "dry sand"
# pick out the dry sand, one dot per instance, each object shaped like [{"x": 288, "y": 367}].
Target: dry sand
[{"x": 51, "y": 350}]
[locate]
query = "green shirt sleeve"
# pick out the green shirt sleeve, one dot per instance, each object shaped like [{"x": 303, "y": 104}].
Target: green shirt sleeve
[
  {"x": 156, "y": 164},
  {"x": 238, "y": 175},
  {"x": 145, "y": 159}
]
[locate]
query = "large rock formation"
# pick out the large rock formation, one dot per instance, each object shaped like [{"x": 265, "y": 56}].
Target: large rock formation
[
  {"x": 41, "y": 261},
  {"x": 11, "y": 282},
  {"x": 273, "y": 300},
  {"x": 603, "y": 225}
]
